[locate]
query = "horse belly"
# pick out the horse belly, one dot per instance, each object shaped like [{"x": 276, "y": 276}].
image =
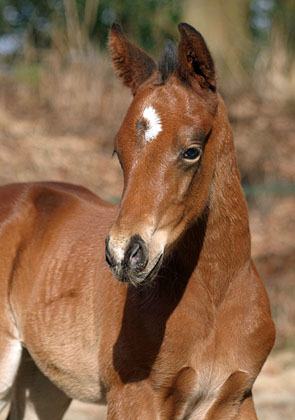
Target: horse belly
[
  {"x": 71, "y": 368},
  {"x": 62, "y": 337},
  {"x": 57, "y": 310}
]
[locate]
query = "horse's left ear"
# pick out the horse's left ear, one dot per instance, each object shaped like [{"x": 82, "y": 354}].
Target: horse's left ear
[
  {"x": 132, "y": 65},
  {"x": 195, "y": 61}
]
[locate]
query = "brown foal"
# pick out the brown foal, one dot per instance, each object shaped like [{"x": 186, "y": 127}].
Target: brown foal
[{"x": 186, "y": 330}]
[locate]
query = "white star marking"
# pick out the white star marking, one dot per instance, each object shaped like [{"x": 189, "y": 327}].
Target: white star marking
[{"x": 154, "y": 123}]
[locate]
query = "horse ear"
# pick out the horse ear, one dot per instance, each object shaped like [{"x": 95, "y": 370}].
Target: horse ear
[
  {"x": 195, "y": 61},
  {"x": 132, "y": 65}
]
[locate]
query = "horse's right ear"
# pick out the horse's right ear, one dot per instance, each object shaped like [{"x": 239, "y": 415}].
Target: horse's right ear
[{"x": 132, "y": 65}]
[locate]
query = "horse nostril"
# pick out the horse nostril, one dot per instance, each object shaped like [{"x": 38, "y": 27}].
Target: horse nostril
[
  {"x": 136, "y": 255},
  {"x": 109, "y": 258}
]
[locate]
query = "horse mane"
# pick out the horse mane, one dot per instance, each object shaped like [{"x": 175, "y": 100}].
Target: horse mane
[{"x": 168, "y": 61}]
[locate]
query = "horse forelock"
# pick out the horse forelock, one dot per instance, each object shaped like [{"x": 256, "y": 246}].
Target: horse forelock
[{"x": 168, "y": 61}]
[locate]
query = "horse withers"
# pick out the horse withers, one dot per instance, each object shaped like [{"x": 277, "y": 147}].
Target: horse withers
[{"x": 185, "y": 331}]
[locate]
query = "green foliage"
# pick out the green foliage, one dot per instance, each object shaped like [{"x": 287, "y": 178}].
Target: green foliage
[
  {"x": 148, "y": 23},
  {"x": 19, "y": 16},
  {"x": 267, "y": 17}
]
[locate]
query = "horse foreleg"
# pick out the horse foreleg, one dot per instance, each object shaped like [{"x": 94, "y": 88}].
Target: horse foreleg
[
  {"x": 10, "y": 356},
  {"x": 35, "y": 396},
  {"x": 132, "y": 401},
  {"x": 234, "y": 400}
]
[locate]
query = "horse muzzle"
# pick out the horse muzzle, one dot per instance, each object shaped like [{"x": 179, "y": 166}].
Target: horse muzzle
[{"x": 131, "y": 263}]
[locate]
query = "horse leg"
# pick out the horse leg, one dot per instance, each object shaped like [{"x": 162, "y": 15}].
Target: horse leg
[
  {"x": 132, "y": 401},
  {"x": 35, "y": 396},
  {"x": 234, "y": 400},
  {"x": 10, "y": 356}
]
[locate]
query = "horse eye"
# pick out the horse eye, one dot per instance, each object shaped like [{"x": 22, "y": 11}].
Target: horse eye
[{"x": 192, "y": 153}]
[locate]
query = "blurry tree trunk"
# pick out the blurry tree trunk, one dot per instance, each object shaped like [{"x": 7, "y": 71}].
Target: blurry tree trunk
[
  {"x": 224, "y": 25},
  {"x": 275, "y": 64},
  {"x": 73, "y": 25},
  {"x": 79, "y": 31},
  {"x": 90, "y": 15}
]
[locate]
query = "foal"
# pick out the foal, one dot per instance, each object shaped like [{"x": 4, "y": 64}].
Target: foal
[{"x": 186, "y": 330}]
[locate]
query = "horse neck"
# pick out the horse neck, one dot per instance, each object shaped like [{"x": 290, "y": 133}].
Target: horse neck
[{"x": 219, "y": 242}]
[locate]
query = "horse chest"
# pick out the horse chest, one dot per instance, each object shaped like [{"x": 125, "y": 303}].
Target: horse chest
[
  {"x": 156, "y": 342},
  {"x": 158, "y": 337},
  {"x": 185, "y": 372}
]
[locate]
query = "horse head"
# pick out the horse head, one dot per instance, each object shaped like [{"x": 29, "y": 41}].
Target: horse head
[{"x": 167, "y": 147}]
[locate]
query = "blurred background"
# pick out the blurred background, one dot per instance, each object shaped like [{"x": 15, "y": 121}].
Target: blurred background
[{"x": 61, "y": 105}]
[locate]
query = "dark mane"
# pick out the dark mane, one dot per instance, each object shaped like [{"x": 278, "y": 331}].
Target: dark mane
[{"x": 168, "y": 61}]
